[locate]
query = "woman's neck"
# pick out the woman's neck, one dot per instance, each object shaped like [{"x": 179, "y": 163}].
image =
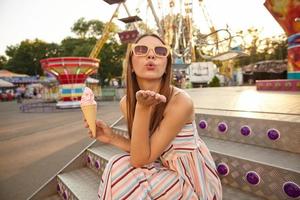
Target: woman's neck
[{"x": 153, "y": 85}]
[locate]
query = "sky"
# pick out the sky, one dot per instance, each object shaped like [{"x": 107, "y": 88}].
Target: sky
[{"x": 51, "y": 20}]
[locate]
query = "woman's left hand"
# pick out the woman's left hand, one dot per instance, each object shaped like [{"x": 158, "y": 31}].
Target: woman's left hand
[{"x": 149, "y": 98}]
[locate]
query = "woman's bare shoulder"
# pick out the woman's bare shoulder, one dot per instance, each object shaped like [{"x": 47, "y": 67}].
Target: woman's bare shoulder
[
  {"x": 181, "y": 100},
  {"x": 179, "y": 96}
]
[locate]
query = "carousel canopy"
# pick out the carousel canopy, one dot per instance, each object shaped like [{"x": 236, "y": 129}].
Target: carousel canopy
[
  {"x": 20, "y": 80},
  {"x": 6, "y": 73},
  {"x": 5, "y": 84}
]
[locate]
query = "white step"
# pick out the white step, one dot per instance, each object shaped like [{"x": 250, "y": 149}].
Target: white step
[
  {"x": 53, "y": 197},
  {"x": 271, "y": 157},
  {"x": 80, "y": 184}
]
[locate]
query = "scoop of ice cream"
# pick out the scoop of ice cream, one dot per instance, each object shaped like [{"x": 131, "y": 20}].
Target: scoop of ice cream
[{"x": 87, "y": 97}]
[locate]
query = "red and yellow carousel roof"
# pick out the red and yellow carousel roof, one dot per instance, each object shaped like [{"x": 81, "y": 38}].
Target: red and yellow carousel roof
[{"x": 70, "y": 69}]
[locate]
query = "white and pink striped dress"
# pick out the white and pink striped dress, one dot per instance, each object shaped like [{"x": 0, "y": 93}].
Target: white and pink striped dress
[{"x": 186, "y": 171}]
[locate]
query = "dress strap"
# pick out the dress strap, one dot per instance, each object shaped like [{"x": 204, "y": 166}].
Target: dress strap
[{"x": 177, "y": 91}]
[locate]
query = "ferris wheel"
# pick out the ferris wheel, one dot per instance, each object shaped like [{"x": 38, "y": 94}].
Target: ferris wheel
[{"x": 174, "y": 23}]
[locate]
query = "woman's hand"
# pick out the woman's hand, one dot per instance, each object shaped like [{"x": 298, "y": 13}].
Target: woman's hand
[
  {"x": 103, "y": 131},
  {"x": 149, "y": 98}
]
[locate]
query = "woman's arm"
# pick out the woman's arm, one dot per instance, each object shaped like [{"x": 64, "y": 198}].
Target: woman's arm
[
  {"x": 145, "y": 150},
  {"x": 120, "y": 142}
]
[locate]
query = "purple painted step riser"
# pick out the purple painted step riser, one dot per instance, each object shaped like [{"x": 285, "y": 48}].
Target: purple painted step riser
[{"x": 266, "y": 133}]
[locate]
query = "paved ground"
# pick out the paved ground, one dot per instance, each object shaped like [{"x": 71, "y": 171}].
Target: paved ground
[
  {"x": 246, "y": 98},
  {"x": 34, "y": 146}
]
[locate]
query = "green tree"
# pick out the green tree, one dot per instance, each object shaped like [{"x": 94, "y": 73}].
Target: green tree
[
  {"x": 95, "y": 28},
  {"x": 77, "y": 46},
  {"x": 91, "y": 28},
  {"x": 3, "y": 61},
  {"x": 215, "y": 82},
  {"x": 259, "y": 49},
  {"x": 80, "y": 28},
  {"x": 25, "y": 57},
  {"x": 111, "y": 60}
]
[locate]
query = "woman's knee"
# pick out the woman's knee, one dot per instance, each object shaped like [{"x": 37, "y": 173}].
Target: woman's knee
[{"x": 120, "y": 161}]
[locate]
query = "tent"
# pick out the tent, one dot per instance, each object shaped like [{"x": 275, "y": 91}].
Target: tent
[
  {"x": 8, "y": 74},
  {"x": 5, "y": 84}
]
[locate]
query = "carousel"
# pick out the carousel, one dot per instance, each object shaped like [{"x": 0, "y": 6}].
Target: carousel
[{"x": 71, "y": 73}]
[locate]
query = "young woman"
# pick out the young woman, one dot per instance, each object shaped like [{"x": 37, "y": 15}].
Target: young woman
[{"x": 166, "y": 159}]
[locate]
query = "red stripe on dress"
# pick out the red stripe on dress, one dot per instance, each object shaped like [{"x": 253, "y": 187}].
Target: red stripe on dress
[
  {"x": 167, "y": 150},
  {"x": 167, "y": 189},
  {"x": 119, "y": 158},
  {"x": 132, "y": 191},
  {"x": 184, "y": 136},
  {"x": 184, "y": 149},
  {"x": 181, "y": 196},
  {"x": 106, "y": 184},
  {"x": 186, "y": 173},
  {"x": 212, "y": 171},
  {"x": 201, "y": 153},
  {"x": 148, "y": 168},
  {"x": 123, "y": 176}
]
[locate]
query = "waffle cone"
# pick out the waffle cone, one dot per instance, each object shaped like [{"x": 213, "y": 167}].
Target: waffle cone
[{"x": 89, "y": 113}]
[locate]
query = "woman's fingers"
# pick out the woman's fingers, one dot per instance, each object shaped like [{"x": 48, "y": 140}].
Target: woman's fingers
[
  {"x": 85, "y": 123},
  {"x": 100, "y": 124},
  {"x": 90, "y": 134},
  {"x": 149, "y": 97},
  {"x": 163, "y": 98}
]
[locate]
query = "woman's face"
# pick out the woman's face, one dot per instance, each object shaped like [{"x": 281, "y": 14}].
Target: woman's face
[{"x": 149, "y": 66}]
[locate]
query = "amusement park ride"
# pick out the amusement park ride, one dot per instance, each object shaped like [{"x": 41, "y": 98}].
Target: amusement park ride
[{"x": 175, "y": 28}]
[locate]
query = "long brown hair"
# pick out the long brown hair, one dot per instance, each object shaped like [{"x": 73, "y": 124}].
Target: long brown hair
[{"x": 133, "y": 87}]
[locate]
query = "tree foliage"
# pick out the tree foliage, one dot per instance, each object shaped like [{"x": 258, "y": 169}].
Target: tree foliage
[
  {"x": 259, "y": 49},
  {"x": 24, "y": 58},
  {"x": 3, "y": 61},
  {"x": 111, "y": 59},
  {"x": 215, "y": 82},
  {"x": 91, "y": 28}
]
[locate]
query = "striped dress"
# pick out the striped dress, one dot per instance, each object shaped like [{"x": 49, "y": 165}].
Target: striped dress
[{"x": 185, "y": 171}]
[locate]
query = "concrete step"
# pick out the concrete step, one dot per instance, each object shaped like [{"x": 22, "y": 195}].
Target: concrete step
[
  {"x": 274, "y": 158},
  {"x": 97, "y": 157},
  {"x": 102, "y": 153},
  {"x": 276, "y": 131},
  {"x": 79, "y": 184},
  {"x": 53, "y": 197},
  {"x": 274, "y": 167},
  {"x": 231, "y": 193}
]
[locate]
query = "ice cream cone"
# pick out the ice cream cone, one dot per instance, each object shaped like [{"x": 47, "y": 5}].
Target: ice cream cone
[{"x": 89, "y": 112}]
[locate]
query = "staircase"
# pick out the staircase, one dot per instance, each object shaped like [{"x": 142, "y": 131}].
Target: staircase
[{"x": 257, "y": 157}]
